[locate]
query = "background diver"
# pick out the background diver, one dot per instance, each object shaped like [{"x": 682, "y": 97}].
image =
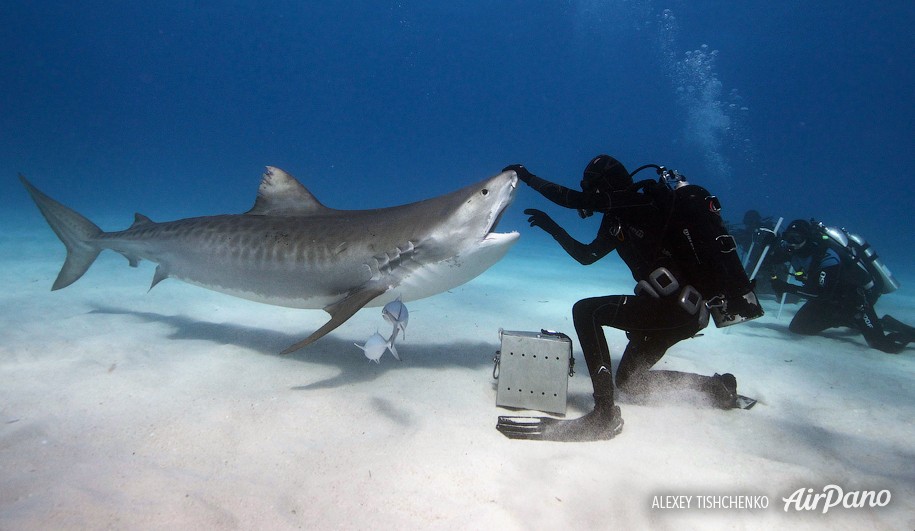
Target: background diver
[
  {"x": 841, "y": 278},
  {"x": 745, "y": 232},
  {"x": 645, "y": 223}
]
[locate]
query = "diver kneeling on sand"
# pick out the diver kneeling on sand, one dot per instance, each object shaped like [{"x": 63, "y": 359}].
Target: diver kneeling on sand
[
  {"x": 841, "y": 277},
  {"x": 671, "y": 236}
]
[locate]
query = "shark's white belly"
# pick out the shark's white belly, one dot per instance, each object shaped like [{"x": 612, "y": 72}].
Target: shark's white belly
[
  {"x": 444, "y": 275},
  {"x": 284, "y": 282}
]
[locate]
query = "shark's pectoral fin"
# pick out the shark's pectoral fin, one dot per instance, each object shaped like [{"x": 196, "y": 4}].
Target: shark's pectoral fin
[
  {"x": 160, "y": 275},
  {"x": 339, "y": 313}
]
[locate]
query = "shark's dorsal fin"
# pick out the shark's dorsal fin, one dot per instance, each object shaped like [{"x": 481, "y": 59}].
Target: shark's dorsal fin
[
  {"x": 280, "y": 194},
  {"x": 139, "y": 220}
]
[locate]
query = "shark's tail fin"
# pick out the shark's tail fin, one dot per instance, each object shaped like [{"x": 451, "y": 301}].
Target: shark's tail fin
[{"x": 77, "y": 233}]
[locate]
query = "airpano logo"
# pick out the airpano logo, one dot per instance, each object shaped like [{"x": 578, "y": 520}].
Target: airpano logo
[
  {"x": 833, "y": 496},
  {"x": 822, "y": 278}
]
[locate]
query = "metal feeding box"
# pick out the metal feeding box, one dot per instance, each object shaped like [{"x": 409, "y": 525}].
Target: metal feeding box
[{"x": 533, "y": 370}]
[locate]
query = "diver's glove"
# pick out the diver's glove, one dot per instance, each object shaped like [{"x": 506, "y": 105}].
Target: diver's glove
[
  {"x": 521, "y": 171},
  {"x": 779, "y": 286},
  {"x": 764, "y": 236},
  {"x": 539, "y": 218}
]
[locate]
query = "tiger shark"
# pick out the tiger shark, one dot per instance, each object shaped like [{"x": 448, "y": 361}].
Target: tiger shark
[{"x": 291, "y": 250}]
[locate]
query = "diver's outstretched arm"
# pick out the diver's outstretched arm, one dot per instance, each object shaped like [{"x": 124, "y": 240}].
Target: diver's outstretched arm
[
  {"x": 562, "y": 196},
  {"x": 585, "y": 254}
]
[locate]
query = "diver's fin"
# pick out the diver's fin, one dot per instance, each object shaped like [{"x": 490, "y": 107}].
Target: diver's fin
[
  {"x": 891, "y": 324},
  {"x": 524, "y": 427},
  {"x": 595, "y": 426},
  {"x": 745, "y": 402},
  {"x": 339, "y": 313}
]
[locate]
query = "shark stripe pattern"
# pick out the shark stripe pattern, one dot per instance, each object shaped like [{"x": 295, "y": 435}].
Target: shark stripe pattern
[{"x": 291, "y": 250}]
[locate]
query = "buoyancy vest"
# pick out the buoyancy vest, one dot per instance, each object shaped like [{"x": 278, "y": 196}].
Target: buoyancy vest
[
  {"x": 704, "y": 253},
  {"x": 864, "y": 255}
]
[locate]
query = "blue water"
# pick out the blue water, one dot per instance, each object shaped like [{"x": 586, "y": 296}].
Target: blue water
[
  {"x": 171, "y": 407},
  {"x": 797, "y": 109}
]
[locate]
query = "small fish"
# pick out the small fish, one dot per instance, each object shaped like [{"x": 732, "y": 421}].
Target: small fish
[
  {"x": 376, "y": 345},
  {"x": 395, "y": 313}
]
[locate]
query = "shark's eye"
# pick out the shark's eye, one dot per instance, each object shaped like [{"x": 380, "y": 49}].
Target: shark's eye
[{"x": 484, "y": 191}]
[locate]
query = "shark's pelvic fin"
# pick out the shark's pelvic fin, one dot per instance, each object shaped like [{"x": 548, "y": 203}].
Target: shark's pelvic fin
[
  {"x": 339, "y": 313},
  {"x": 76, "y": 232},
  {"x": 160, "y": 275}
]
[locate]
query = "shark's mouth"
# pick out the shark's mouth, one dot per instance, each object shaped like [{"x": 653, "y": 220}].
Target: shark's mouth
[
  {"x": 490, "y": 232},
  {"x": 495, "y": 222}
]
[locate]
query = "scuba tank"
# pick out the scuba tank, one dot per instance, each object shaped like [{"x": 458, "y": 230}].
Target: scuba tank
[
  {"x": 704, "y": 253},
  {"x": 861, "y": 251}
]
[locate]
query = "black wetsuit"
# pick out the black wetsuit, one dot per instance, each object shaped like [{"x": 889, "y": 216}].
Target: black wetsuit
[
  {"x": 840, "y": 292},
  {"x": 634, "y": 225}
]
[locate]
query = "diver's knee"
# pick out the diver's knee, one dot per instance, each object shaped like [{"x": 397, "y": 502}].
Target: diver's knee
[
  {"x": 583, "y": 309},
  {"x": 802, "y": 329}
]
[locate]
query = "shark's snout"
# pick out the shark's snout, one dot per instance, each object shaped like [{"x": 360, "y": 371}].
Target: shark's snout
[{"x": 514, "y": 181}]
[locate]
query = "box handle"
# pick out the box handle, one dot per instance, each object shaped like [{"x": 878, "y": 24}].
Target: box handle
[{"x": 554, "y": 333}]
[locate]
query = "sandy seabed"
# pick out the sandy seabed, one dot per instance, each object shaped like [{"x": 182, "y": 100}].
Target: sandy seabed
[{"x": 172, "y": 410}]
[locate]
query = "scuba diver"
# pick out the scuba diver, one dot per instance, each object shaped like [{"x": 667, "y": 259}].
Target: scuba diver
[
  {"x": 744, "y": 233},
  {"x": 841, "y": 277},
  {"x": 671, "y": 236}
]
